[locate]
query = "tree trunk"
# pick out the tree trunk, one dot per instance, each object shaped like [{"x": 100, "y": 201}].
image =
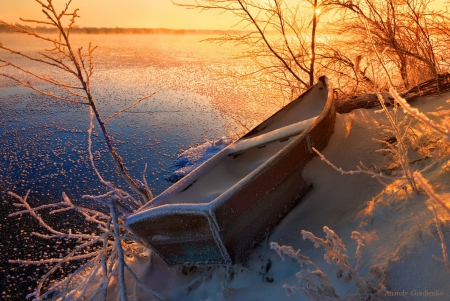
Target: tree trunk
[
  {"x": 313, "y": 44},
  {"x": 404, "y": 71}
]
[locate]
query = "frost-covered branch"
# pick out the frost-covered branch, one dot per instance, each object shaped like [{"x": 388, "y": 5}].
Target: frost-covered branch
[
  {"x": 76, "y": 62},
  {"x": 437, "y": 200},
  {"x": 360, "y": 169},
  {"x": 130, "y": 107},
  {"x": 33, "y": 213},
  {"x": 445, "y": 259},
  {"x": 335, "y": 251},
  {"x": 401, "y": 150},
  {"x": 358, "y": 254},
  {"x": 430, "y": 191},
  {"x": 336, "y": 254},
  {"x": 315, "y": 285},
  {"x": 43, "y": 77},
  {"x": 144, "y": 182},
  {"x": 49, "y": 94},
  {"x": 125, "y": 201},
  {"x": 104, "y": 254},
  {"x": 289, "y": 251},
  {"x": 443, "y": 130}
]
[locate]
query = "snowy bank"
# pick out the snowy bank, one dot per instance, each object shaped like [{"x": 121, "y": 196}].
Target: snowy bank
[{"x": 396, "y": 246}]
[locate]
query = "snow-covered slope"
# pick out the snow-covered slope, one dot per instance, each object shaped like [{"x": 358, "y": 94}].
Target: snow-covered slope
[{"x": 399, "y": 230}]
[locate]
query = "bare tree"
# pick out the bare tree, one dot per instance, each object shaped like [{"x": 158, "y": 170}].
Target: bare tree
[
  {"x": 404, "y": 31},
  {"x": 281, "y": 40},
  {"x": 105, "y": 254},
  {"x": 78, "y": 63}
]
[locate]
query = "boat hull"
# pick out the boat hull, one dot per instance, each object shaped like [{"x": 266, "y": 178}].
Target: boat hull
[{"x": 223, "y": 226}]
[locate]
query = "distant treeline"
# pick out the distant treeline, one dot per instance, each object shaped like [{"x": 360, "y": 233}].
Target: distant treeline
[{"x": 117, "y": 30}]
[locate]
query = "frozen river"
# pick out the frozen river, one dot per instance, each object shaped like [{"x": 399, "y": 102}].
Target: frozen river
[{"x": 43, "y": 142}]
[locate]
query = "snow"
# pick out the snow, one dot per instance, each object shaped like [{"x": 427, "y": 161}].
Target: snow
[
  {"x": 382, "y": 234},
  {"x": 283, "y": 132},
  {"x": 195, "y": 156},
  {"x": 227, "y": 170}
]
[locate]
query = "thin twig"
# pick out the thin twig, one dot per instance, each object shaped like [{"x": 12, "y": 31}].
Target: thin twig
[{"x": 130, "y": 107}]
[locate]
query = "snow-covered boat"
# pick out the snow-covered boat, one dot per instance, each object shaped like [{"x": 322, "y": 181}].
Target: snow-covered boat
[{"x": 219, "y": 211}]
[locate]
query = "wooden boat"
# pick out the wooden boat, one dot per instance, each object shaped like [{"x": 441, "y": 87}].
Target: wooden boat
[{"x": 219, "y": 211}]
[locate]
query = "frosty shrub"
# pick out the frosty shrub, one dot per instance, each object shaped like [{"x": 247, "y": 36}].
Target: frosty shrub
[
  {"x": 106, "y": 254},
  {"x": 399, "y": 151},
  {"x": 443, "y": 131},
  {"x": 400, "y": 129},
  {"x": 438, "y": 201},
  {"x": 315, "y": 285}
]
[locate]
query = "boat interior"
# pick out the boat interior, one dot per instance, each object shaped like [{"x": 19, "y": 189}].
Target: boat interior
[{"x": 236, "y": 162}]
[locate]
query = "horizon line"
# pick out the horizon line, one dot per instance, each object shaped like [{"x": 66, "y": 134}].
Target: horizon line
[{"x": 135, "y": 30}]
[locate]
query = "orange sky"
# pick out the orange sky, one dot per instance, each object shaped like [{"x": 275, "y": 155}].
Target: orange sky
[
  {"x": 132, "y": 13},
  {"x": 122, "y": 13}
]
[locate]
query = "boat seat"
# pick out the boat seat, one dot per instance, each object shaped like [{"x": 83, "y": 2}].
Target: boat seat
[{"x": 279, "y": 134}]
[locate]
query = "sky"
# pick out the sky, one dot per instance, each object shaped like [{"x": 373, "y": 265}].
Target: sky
[
  {"x": 123, "y": 13},
  {"x": 133, "y": 13}
]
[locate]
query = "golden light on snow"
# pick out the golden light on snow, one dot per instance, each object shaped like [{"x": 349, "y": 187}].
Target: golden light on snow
[{"x": 348, "y": 124}]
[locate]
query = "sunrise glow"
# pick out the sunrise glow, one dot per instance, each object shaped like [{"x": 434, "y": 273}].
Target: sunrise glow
[
  {"x": 119, "y": 13},
  {"x": 135, "y": 14}
]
